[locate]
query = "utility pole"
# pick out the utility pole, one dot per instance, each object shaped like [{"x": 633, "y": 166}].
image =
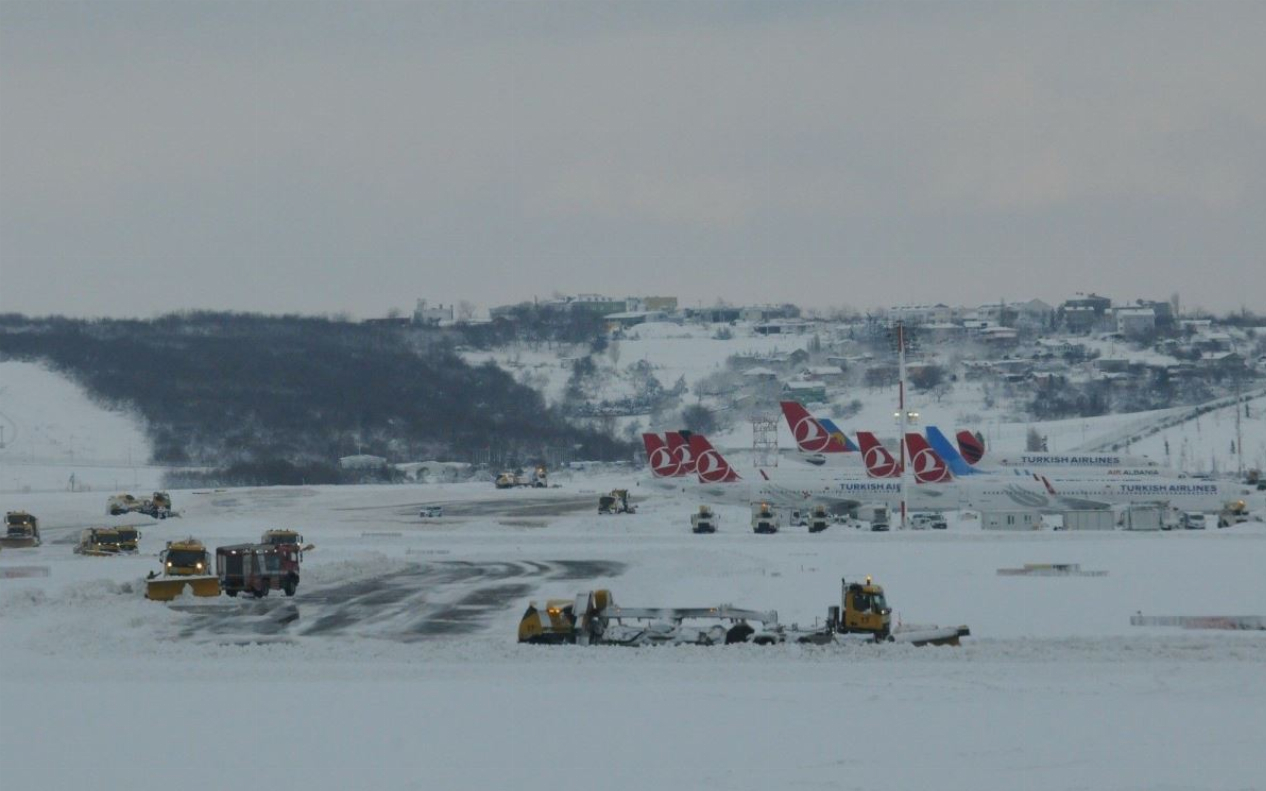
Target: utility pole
[
  {"x": 1239, "y": 435},
  {"x": 899, "y": 335}
]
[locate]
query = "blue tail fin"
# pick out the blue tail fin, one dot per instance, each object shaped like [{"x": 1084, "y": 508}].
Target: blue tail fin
[
  {"x": 957, "y": 464},
  {"x": 834, "y": 431}
]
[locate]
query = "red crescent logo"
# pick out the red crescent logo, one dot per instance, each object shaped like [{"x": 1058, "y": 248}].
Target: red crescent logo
[
  {"x": 809, "y": 435},
  {"x": 711, "y": 468},
  {"x": 928, "y": 467},
  {"x": 684, "y": 458},
  {"x": 879, "y": 463},
  {"x": 662, "y": 463}
]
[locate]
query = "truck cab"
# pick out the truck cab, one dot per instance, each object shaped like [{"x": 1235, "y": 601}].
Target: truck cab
[
  {"x": 764, "y": 518},
  {"x": 20, "y": 530},
  {"x": 863, "y": 609},
  {"x": 185, "y": 558}
]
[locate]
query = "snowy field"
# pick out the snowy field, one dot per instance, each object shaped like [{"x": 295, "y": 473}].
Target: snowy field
[
  {"x": 402, "y": 669},
  {"x": 50, "y": 430}
]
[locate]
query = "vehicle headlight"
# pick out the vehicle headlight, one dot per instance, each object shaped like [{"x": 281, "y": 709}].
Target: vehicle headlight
[
  {"x": 169, "y": 564},
  {"x": 199, "y": 565}
]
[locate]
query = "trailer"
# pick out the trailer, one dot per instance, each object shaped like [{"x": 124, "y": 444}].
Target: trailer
[{"x": 1099, "y": 519}]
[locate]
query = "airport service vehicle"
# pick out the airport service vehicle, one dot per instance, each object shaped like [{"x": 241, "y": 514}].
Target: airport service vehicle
[
  {"x": 594, "y": 618},
  {"x": 258, "y": 568},
  {"x": 617, "y": 502},
  {"x": 1233, "y": 512},
  {"x": 99, "y": 541},
  {"x": 431, "y": 511},
  {"x": 703, "y": 521},
  {"x": 539, "y": 479},
  {"x": 819, "y": 519},
  {"x": 21, "y": 530},
  {"x": 926, "y": 521},
  {"x": 765, "y": 518},
  {"x": 186, "y": 563},
  {"x": 158, "y": 506}
]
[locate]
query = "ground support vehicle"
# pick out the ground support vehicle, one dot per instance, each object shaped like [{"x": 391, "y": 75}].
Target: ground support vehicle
[
  {"x": 1233, "y": 513},
  {"x": 765, "y": 518},
  {"x": 158, "y": 506},
  {"x": 1193, "y": 520},
  {"x": 258, "y": 568},
  {"x": 593, "y": 618},
  {"x": 21, "y": 530},
  {"x": 99, "y": 541},
  {"x": 286, "y": 537},
  {"x": 539, "y": 479},
  {"x": 431, "y": 512},
  {"x": 926, "y": 521},
  {"x": 819, "y": 519},
  {"x": 617, "y": 502},
  {"x": 186, "y": 563},
  {"x": 703, "y": 521}
]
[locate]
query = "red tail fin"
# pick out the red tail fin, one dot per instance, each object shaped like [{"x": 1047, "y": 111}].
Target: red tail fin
[
  {"x": 811, "y": 436},
  {"x": 928, "y": 466},
  {"x": 970, "y": 447},
  {"x": 879, "y": 462},
  {"x": 663, "y": 465},
  {"x": 709, "y": 464},
  {"x": 679, "y": 447}
]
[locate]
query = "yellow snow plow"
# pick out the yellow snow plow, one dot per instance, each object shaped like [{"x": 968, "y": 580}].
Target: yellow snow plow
[
  {"x": 185, "y": 563},
  {"x": 21, "y": 530}
]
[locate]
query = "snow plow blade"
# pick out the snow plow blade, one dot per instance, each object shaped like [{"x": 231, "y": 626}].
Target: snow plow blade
[
  {"x": 168, "y": 588},
  {"x": 18, "y": 543},
  {"x": 935, "y": 636}
]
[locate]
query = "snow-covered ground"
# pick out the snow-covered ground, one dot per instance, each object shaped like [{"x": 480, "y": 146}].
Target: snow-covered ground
[
  {"x": 51, "y": 430},
  {"x": 402, "y": 670}
]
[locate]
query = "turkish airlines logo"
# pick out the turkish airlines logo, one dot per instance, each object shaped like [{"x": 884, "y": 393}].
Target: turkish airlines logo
[
  {"x": 928, "y": 467},
  {"x": 880, "y": 463},
  {"x": 684, "y": 459},
  {"x": 712, "y": 468},
  {"x": 662, "y": 463},
  {"x": 809, "y": 434}
]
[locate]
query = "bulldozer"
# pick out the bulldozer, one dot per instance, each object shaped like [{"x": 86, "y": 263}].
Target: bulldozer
[
  {"x": 100, "y": 541},
  {"x": 185, "y": 562},
  {"x": 617, "y": 502},
  {"x": 765, "y": 518},
  {"x": 21, "y": 530},
  {"x": 703, "y": 521}
]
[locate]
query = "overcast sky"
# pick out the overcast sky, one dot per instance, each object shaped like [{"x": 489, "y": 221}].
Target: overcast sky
[{"x": 327, "y": 157}]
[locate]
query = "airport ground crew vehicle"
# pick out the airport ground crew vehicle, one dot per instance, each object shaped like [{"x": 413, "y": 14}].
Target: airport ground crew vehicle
[
  {"x": 819, "y": 519},
  {"x": 185, "y": 563},
  {"x": 21, "y": 530},
  {"x": 593, "y": 618},
  {"x": 617, "y": 502},
  {"x": 703, "y": 521},
  {"x": 258, "y": 568},
  {"x": 765, "y": 518},
  {"x": 100, "y": 541}
]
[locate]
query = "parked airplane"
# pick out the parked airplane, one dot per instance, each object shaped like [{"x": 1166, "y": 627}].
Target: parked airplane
[
  {"x": 961, "y": 466},
  {"x": 973, "y": 450},
  {"x": 812, "y": 435},
  {"x": 1085, "y": 490}
]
